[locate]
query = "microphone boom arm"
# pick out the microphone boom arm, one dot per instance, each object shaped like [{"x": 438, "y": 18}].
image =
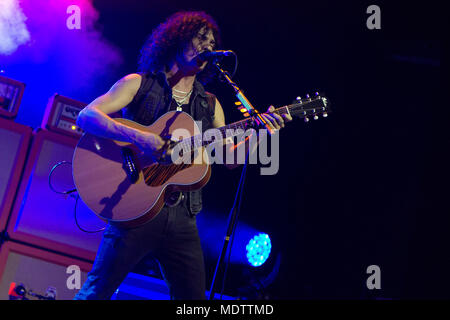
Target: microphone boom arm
[{"x": 242, "y": 98}]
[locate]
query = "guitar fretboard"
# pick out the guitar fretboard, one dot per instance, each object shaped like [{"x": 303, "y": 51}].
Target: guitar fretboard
[{"x": 302, "y": 109}]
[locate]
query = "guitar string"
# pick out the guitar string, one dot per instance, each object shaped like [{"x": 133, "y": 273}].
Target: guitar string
[
  {"x": 165, "y": 172},
  {"x": 198, "y": 140}
]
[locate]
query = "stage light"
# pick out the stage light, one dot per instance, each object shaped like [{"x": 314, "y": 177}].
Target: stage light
[{"x": 258, "y": 249}]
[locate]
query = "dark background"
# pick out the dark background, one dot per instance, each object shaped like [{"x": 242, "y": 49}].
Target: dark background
[{"x": 359, "y": 188}]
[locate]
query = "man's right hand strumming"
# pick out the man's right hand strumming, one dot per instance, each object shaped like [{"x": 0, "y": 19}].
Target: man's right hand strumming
[{"x": 148, "y": 142}]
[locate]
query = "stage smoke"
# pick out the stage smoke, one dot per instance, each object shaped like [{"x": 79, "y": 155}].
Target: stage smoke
[
  {"x": 54, "y": 48},
  {"x": 13, "y": 30}
]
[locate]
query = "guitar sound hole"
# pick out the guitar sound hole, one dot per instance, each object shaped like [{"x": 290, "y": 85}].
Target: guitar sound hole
[{"x": 129, "y": 164}]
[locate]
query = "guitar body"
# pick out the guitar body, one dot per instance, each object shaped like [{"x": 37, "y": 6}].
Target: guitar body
[
  {"x": 126, "y": 187},
  {"x": 122, "y": 185}
]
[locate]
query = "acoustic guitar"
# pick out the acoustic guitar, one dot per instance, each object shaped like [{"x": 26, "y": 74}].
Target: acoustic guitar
[{"x": 124, "y": 186}]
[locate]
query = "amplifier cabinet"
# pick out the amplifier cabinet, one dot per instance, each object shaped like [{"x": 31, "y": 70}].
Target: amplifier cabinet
[
  {"x": 45, "y": 218},
  {"x": 37, "y": 270},
  {"x": 61, "y": 115},
  {"x": 14, "y": 143},
  {"x": 11, "y": 92}
]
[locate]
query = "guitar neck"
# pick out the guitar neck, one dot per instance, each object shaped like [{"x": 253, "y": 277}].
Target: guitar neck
[{"x": 301, "y": 109}]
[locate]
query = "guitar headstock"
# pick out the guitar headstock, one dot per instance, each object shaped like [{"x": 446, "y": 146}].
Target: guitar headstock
[{"x": 310, "y": 107}]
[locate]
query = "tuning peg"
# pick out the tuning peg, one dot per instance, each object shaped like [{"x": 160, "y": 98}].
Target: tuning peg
[
  {"x": 306, "y": 119},
  {"x": 307, "y": 97},
  {"x": 315, "y": 117},
  {"x": 299, "y": 99},
  {"x": 325, "y": 114}
]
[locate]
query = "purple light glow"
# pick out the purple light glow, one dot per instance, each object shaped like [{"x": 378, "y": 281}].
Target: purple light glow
[{"x": 55, "y": 58}]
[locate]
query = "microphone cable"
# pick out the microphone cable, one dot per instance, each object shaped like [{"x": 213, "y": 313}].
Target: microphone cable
[
  {"x": 70, "y": 194},
  {"x": 235, "y": 64}
]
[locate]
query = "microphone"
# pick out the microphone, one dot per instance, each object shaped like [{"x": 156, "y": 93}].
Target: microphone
[{"x": 211, "y": 55}]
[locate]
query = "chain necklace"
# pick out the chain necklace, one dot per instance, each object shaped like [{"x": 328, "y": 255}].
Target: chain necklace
[
  {"x": 180, "y": 100},
  {"x": 180, "y": 91}
]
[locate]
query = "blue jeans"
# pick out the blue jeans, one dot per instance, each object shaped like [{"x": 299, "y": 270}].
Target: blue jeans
[{"x": 171, "y": 237}]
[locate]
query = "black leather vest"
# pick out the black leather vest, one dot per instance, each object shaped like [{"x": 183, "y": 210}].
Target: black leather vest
[{"x": 153, "y": 99}]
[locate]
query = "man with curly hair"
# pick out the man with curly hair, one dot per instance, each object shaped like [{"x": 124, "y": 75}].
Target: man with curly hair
[{"x": 169, "y": 68}]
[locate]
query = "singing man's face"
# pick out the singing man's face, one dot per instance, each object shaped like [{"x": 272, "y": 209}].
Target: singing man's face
[{"x": 203, "y": 41}]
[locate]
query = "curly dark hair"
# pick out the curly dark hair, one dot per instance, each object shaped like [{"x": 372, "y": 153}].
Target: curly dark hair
[{"x": 171, "y": 37}]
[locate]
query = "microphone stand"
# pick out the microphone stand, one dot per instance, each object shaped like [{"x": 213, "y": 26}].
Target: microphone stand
[
  {"x": 232, "y": 221},
  {"x": 232, "y": 218},
  {"x": 242, "y": 98}
]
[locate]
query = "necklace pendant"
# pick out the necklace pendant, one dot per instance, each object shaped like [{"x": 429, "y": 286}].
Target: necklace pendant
[{"x": 179, "y": 108}]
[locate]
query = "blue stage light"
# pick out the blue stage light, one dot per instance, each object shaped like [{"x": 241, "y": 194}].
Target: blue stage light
[{"x": 258, "y": 249}]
